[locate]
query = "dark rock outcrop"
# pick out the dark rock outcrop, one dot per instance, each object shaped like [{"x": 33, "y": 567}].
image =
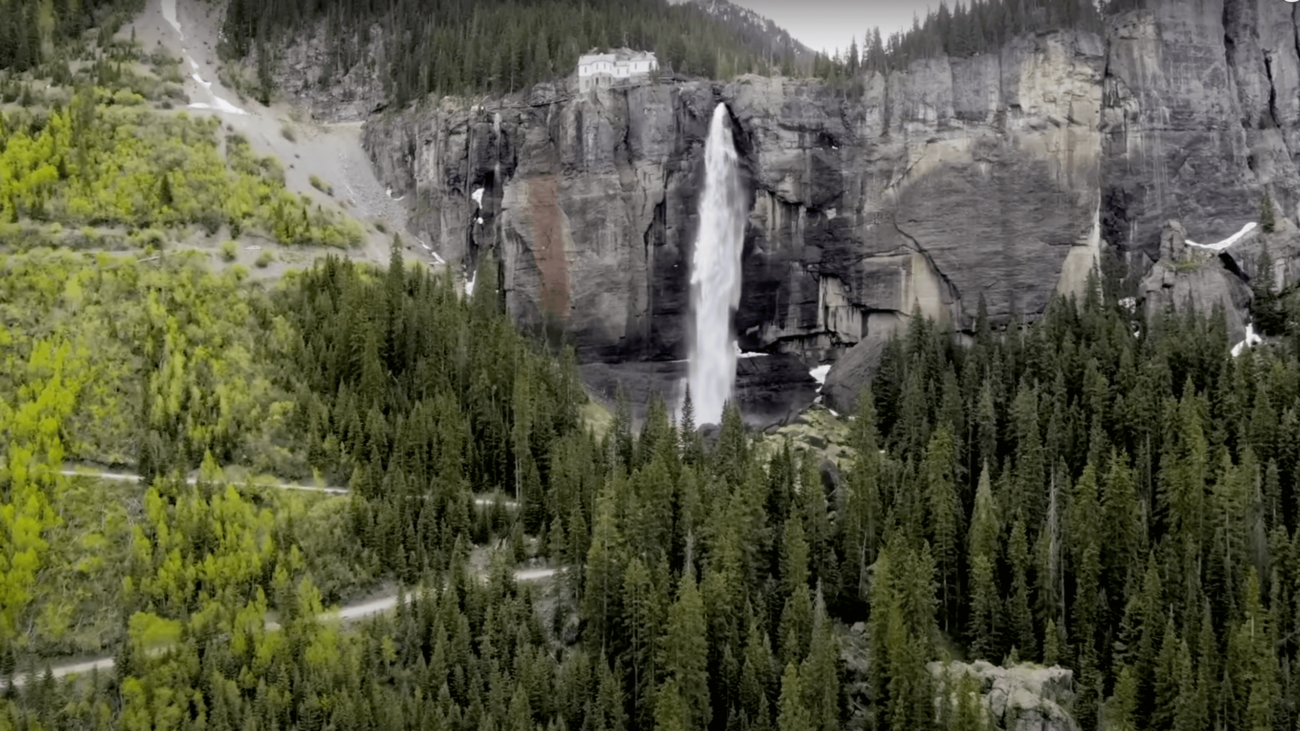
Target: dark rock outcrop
[
  {"x": 998, "y": 177},
  {"x": 914, "y": 197},
  {"x": 769, "y": 390},
  {"x": 1184, "y": 275},
  {"x": 853, "y": 369}
]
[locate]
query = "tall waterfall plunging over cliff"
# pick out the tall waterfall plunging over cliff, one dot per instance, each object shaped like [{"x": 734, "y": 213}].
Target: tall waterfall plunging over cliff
[{"x": 715, "y": 273}]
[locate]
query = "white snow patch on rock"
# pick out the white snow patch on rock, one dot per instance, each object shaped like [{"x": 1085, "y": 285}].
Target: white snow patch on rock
[
  {"x": 1220, "y": 246},
  {"x": 478, "y": 197},
  {"x": 469, "y": 286},
  {"x": 819, "y": 374},
  {"x": 1251, "y": 340},
  {"x": 169, "y": 14},
  {"x": 220, "y": 105}
]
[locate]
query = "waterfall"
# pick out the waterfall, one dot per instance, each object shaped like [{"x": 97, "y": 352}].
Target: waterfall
[{"x": 715, "y": 273}]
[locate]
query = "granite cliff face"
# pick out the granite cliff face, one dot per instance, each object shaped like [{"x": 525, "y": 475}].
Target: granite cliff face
[
  {"x": 1202, "y": 113},
  {"x": 998, "y": 176}
]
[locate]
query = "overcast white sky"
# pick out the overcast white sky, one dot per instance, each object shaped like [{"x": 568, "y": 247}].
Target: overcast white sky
[{"x": 830, "y": 24}]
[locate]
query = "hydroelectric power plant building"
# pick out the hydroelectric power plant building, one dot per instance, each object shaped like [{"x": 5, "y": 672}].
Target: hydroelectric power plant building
[{"x": 606, "y": 69}]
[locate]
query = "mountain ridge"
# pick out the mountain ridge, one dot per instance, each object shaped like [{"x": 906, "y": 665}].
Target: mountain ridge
[{"x": 749, "y": 22}]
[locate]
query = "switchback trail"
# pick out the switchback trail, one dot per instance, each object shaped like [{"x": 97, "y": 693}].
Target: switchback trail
[
  {"x": 347, "y": 613},
  {"x": 128, "y": 477}
]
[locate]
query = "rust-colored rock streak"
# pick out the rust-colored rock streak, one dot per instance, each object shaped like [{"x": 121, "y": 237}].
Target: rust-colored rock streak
[{"x": 549, "y": 250}]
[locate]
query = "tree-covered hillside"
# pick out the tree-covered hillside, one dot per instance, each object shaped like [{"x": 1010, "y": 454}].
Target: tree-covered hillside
[
  {"x": 461, "y": 47},
  {"x": 30, "y": 30},
  {"x": 1109, "y": 492},
  {"x": 108, "y": 159},
  {"x": 762, "y": 34},
  {"x": 1113, "y": 494},
  {"x": 970, "y": 28},
  {"x": 467, "y": 47}
]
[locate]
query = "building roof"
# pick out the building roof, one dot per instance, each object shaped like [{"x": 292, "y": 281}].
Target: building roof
[{"x": 617, "y": 54}]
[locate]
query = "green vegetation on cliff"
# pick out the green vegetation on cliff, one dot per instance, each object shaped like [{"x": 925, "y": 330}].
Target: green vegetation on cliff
[
  {"x": 106, "y": 159},
  {"x": 465, "y": 48}
]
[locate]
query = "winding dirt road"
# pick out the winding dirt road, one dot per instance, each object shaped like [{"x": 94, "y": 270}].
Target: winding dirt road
[
  {"x": 347, "y": 613},
  {"x": 128, "y": 477}
]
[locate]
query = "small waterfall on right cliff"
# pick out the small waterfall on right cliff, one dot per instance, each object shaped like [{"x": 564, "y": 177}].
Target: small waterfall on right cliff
[{"x": 715, "y": 273}]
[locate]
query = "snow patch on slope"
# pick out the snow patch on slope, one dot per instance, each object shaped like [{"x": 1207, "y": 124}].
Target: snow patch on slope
[
  {"x": 1221, "y": 245},
  {"x": 819, "y": 375},
  {"x": 218, "y": 104}
]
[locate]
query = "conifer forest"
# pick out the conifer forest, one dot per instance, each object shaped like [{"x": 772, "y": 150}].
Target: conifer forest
[{"x": 1099, "y": 489}]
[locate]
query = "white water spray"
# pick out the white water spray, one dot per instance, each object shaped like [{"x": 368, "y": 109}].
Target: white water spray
[{"x": 715, "y": 275}]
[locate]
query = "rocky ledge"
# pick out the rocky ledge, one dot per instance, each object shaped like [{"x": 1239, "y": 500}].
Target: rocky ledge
[{"x": 1024, "y": 697}]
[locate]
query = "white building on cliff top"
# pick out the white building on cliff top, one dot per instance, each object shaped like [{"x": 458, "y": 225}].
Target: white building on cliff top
[{"x": 605, "y": 69}]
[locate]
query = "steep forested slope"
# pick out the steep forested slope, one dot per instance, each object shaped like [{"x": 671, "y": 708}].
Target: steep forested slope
[
  {"x": 109, "y": 159},
  {"x": 31, "y": 29},
  {"x": 1104, "y": 490},
  {"x": 974, "y": 27},
  {"x": 759, "y": 33},
  {"x": 1110, "y": 493},
  {"x": 462, "y": 47}
]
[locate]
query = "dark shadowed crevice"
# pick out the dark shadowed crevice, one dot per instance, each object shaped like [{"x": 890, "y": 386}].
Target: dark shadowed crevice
[
  {"x": 1230, "y": 264},
  {"x": 1272, "y": 92},
  {"x": 1295, "y": 29}
]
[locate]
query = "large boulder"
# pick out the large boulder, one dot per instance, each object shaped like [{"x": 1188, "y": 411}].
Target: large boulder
[
  {"x": 856, "y": 366},
  {"x": 1024, "y": 697}
]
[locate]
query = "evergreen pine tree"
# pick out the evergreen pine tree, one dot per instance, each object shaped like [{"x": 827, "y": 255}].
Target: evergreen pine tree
[
  {"x": 793, "y": 715},
  {"x": 1021, "y": 620},
  {"x": 604, "y": 575},
  {"x": 670, "y": 709},
  {"x": 944, "y": 518},
  {"x": 686, "y": 651},
  {"x": 1267, "y": 222}
]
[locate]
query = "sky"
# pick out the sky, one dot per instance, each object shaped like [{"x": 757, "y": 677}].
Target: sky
[{"x": 830, "y": 24}]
